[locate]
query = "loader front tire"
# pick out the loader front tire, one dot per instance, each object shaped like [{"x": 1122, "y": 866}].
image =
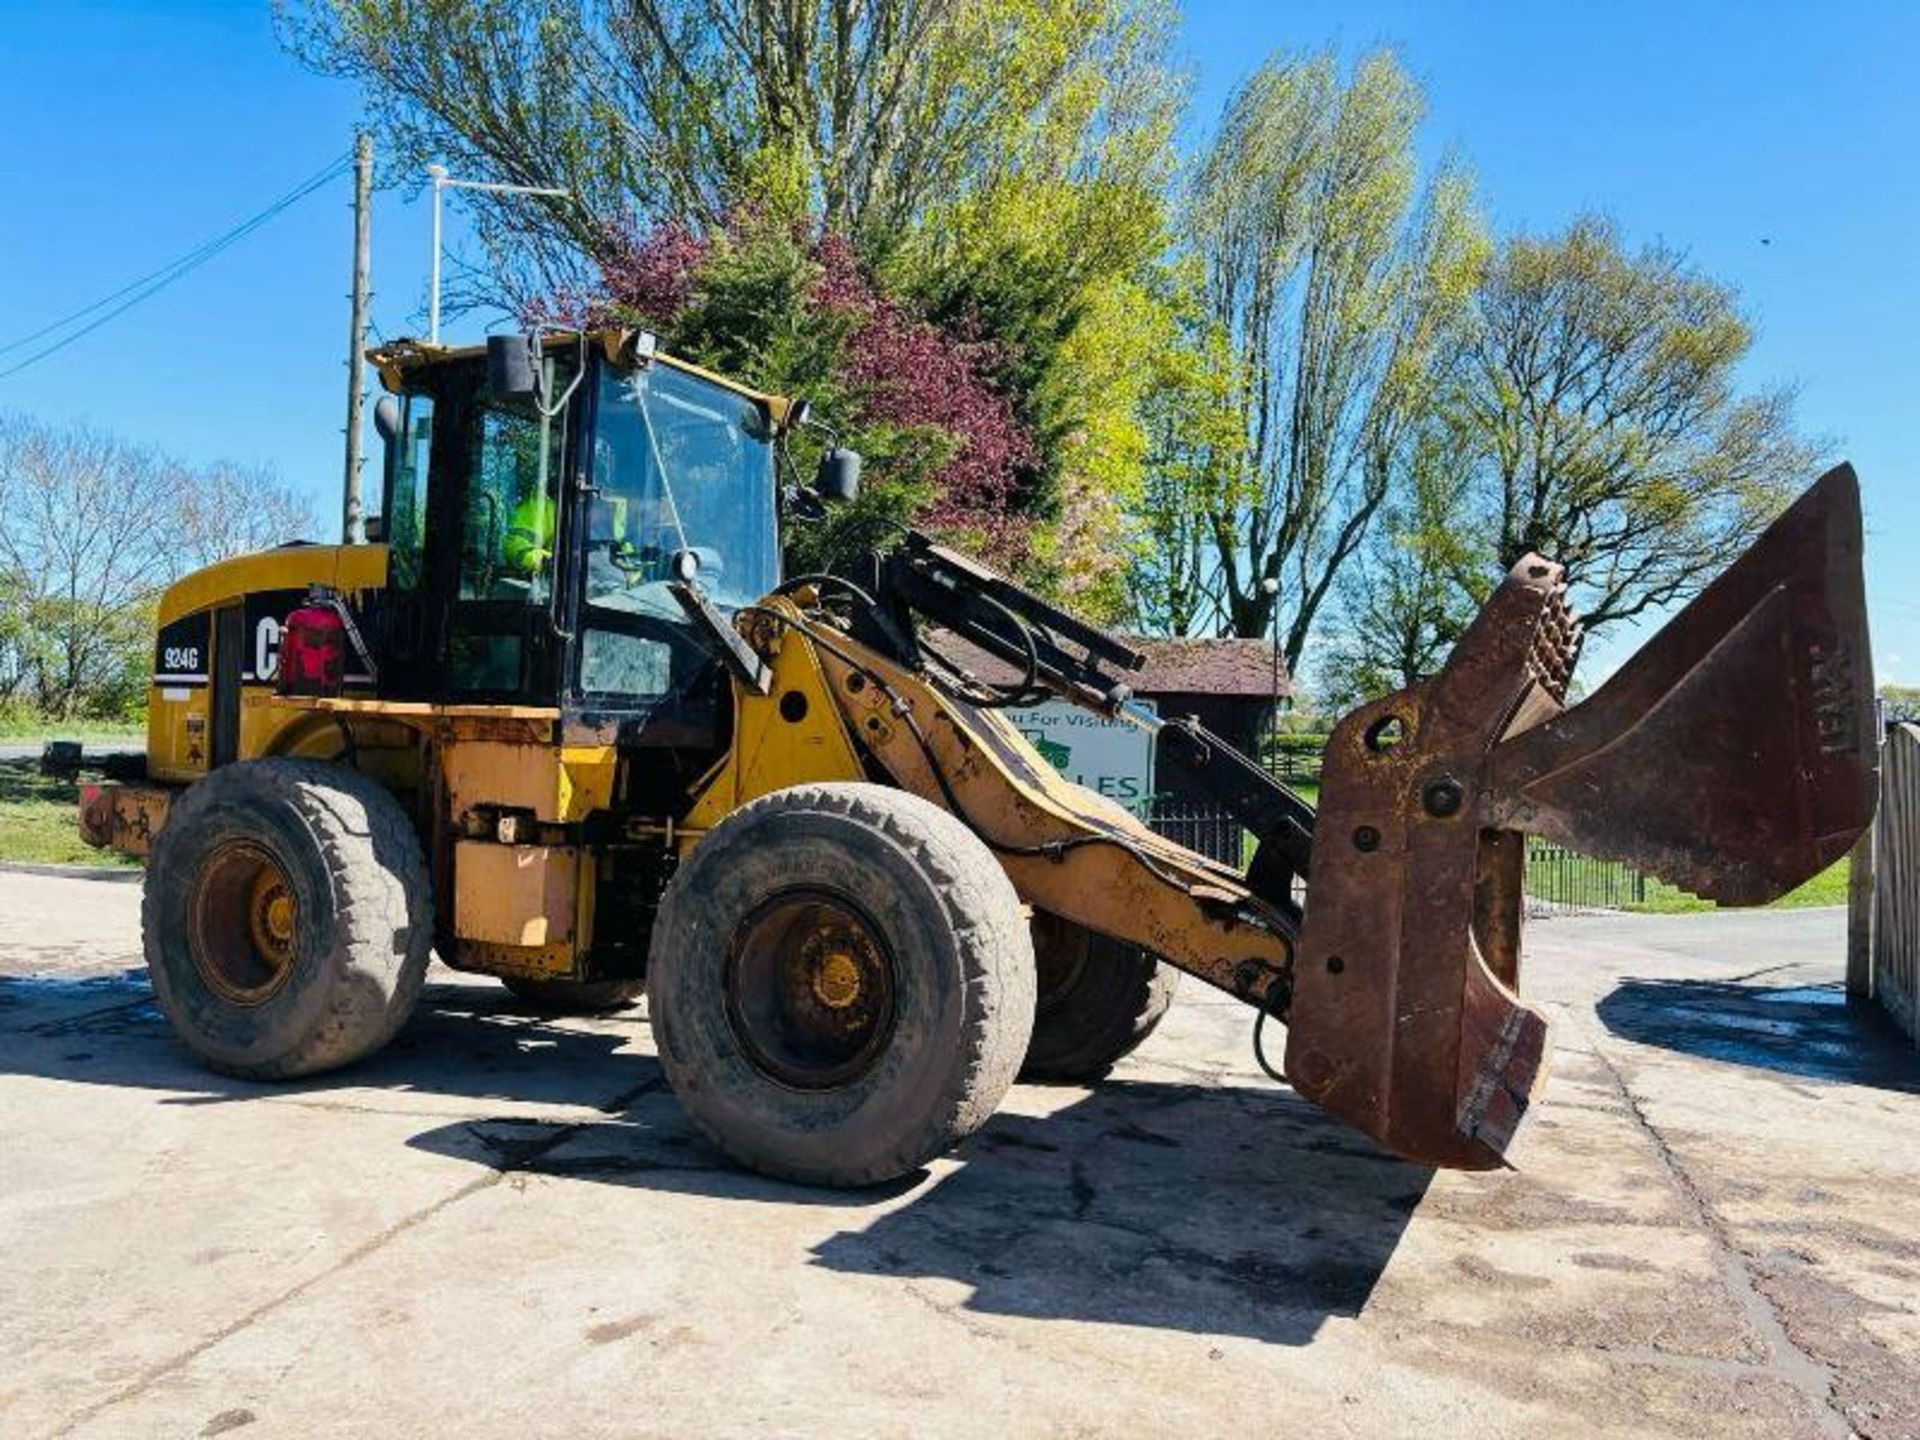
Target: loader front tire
[
  {"x": 840, "y": 983},
  {"x": 1098, "y": 1000},
  {"x": 288, "y": 918}
]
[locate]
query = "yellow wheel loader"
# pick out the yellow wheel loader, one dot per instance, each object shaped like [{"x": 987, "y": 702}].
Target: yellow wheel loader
[{"x": 567, "y": 724}]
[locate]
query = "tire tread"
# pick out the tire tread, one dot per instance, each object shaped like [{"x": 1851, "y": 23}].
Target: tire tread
[
  {"x": 381, "y": 888},
  {"x": 983, "y": 911}
]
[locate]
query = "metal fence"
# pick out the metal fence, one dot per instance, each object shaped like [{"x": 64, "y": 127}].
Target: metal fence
[
  {"x": 1199, "y": 825},
  {"x": 1559, "y": 881},
  {"x": 1564, "y": 882}
]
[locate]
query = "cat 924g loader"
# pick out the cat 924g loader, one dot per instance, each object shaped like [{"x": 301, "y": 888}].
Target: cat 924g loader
[{"x": 567, "y": 724}]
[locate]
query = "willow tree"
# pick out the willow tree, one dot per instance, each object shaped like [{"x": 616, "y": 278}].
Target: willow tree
[{"x": 1338, "y": 280}]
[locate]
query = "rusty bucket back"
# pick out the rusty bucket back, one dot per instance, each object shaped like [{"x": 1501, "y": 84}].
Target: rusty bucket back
[{"x": 1733, "y": 756}]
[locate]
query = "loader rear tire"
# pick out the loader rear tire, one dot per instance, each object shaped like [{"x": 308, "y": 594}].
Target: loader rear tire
[
  {"x": 575, "y": 997},
  {"x": 840, "y": 983},
  {"x": 1098, "y": 1000},
  {"x": 288, "y": 918}
]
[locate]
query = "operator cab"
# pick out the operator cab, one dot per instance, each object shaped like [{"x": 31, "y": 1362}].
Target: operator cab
[{"x": 537, "y": 505}]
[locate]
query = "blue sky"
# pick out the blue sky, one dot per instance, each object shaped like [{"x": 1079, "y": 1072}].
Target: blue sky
[{"x": 135, "y": 132}]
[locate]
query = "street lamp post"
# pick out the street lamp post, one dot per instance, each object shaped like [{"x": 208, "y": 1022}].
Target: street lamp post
[{"x": 443, "y": 181}]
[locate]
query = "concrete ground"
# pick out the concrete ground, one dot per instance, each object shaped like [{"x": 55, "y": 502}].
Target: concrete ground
[{"x": 504, "y": 1226}]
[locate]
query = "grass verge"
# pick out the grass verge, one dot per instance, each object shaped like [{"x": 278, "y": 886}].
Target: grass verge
[
  {"x": 1829, "y": 887},
  {"x": 40, "y": 820},
  {"x": 28, "y": 727}
]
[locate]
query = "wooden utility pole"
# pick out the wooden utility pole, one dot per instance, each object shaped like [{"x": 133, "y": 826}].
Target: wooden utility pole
[{"x": 350, "y": 526}]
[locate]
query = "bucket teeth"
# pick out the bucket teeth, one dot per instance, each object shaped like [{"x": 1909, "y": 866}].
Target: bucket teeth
[{"x": 1556, "y": 643}]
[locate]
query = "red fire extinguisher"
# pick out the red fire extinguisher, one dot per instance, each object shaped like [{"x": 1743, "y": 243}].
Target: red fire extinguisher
[{"x": 313, "y": 648}]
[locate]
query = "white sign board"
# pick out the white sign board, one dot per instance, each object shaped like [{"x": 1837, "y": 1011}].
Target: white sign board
[{"x": 1110, "y": 757}]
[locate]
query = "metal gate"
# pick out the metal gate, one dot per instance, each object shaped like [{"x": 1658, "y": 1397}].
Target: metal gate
[
  {"x": 1883, "y": 902},
  {"x": 1201, "y": 825},
  {"x": 1565, "y": 882}
]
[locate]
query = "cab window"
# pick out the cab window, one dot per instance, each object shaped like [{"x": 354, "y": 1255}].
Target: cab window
[
  {"x": 507, "y": 532},
  {"x": 679, "y": 464},
  {"x": 404, "y": 509},
  {"x": 512, "y": 492}
]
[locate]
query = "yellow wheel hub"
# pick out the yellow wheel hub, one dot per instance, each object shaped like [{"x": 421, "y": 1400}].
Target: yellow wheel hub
[
  {"x": 836, "y": 980},
  {"x": 244, "y": 924},
  {"x": 270, "y": 915},
  {"x": 809, "y": 988}
]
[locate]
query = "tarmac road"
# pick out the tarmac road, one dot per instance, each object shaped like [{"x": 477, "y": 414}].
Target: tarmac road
[
  {"x": 503, "y": 1225},
  {"x": 32, "y": 749}
]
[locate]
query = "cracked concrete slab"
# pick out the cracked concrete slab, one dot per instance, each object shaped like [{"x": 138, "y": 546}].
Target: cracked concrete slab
[{"x": 504, "y": 1224}]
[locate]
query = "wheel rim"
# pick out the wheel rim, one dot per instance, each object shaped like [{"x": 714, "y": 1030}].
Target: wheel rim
[
  {"x": 1061, "y": 951},
  {"x": 810, "y": 989},
  {"x": 246, "y": 924}
]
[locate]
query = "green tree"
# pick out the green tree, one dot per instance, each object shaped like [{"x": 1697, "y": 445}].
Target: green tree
[
  {"x": 1900, "y": 703},
  {"x": 666, "y": 107},
  {"x": 1337, "y": 280},
  {"x": 998, "y": 165},
  {"x": 92, "y": 529},
  {"x": 1195, "y": 432},
  {"x": 1599, "y": 397},
  {"x": 1417, "y": 583}
]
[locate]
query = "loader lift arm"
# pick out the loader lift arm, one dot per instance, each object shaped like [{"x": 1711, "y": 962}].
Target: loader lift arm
[{"x": 1019, "y": 628}]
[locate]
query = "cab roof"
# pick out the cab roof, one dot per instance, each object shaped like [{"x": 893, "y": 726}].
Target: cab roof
[{"x": 395, "y": 359}]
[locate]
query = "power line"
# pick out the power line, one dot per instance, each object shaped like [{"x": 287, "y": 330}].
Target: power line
[
  {"x": 191, "y": 258},
  {"x": 151, "y": 284}
]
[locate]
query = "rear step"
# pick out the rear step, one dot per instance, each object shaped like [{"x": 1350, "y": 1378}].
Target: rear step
[{"x": 1733, "y": 755}]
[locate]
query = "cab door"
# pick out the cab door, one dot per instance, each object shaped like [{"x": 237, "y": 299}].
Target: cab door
[{"x": 491, "y": 558}]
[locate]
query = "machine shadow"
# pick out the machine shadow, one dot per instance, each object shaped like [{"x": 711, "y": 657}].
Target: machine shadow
[
  {"x": 464, "y": 1041},
  {"x": 1199, "y": 1208},
  {"x": 1812, "y": 1031}
]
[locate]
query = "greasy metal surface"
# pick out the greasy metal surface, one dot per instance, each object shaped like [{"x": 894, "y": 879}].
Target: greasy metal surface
[
  {"x": 1729, "y": 756},
  {"x": 520, "y": 895},
  {"x": 481, "y": 773},
  {"x": 777, "y": 741},
  {"x": 1404, "y": 1021},
  {"x": 123, "y": 817},
  {"x": 810, "y": 989}
]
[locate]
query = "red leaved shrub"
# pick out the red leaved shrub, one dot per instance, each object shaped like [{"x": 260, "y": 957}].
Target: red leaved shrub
[{"x": 897, "y": 370}]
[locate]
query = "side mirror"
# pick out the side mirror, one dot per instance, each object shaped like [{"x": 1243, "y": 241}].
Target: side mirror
[
  {"x": 512, "y": 369},
  {"x": 386, "y": 418},
  {"x": 838, "y": 478}
]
